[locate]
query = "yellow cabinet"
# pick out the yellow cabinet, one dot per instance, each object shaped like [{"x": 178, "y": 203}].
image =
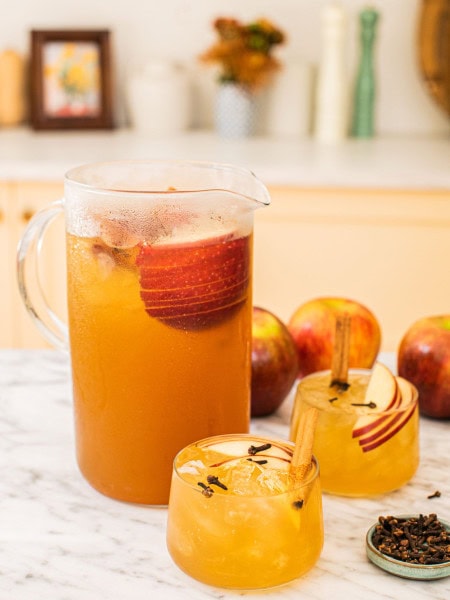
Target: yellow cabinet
[
  {"x": 386, "y": 248},
  {"x": 6, "y": 268},
  {"x": 18, "y": 203}
]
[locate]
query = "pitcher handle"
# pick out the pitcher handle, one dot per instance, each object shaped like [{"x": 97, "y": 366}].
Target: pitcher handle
[{"x": 30, "y": 288}]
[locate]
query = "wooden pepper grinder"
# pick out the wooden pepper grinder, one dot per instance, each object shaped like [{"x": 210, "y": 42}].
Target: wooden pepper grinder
[
  {"x": 12, "y": 88},
  {"x": 364, "y": 98}
]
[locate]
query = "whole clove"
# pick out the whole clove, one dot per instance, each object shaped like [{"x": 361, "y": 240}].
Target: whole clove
[
  {"x": 368, "y": 404},
  {"x": 255, "y": 449},
  {"x": 422, "y": 540},
  {"x": 342, "y": 386},
  {"x": 436, "y": 494},
  {"x": 214, "y": 480},
  {"x": 207, "y": 491},
  {"x": 263, "y": 461}
]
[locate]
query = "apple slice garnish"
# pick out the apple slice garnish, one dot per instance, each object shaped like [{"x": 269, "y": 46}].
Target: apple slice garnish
[
  {"x": 378, "y": 433},
  {"x": 368, "y": 424},
  {"x": 195, "y": 284},
  {"x": 241, "y": 448},
  {"x": 382, "y": 393},
  {"x": 392, "y": 431},
  {"x": 269, "y": 455},
  {"x": 406, "y": 390},
  {"x": 395, "y": 422},
  {"x": 382, "y": 387},
  {"x": 230, "y": 447}
]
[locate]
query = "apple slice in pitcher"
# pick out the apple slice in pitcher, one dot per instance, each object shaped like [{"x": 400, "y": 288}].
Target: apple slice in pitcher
[{"x": 194, "y": 285}]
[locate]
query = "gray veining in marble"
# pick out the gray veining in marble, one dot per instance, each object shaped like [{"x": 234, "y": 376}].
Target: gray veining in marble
[{"x": 61, "y": 540}]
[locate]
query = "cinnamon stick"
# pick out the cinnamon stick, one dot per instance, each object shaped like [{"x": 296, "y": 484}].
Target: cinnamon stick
[
  {"x": 339, "y": 364},
  {"x": 302, "y": 457}
]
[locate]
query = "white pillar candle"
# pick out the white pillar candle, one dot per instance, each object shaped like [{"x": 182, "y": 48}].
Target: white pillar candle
[{"x": 331, "y": 105}]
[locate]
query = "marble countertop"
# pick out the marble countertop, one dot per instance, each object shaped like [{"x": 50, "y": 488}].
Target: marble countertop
[
  {"x": 61, "y": 540},
  {"x": 384, "y": 162}
]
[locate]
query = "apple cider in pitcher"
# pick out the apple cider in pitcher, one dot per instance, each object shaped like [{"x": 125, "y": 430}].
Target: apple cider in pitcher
[
  {"x": 366, "y": 438},
  {"x": 159, "y": 333},
  {"x": 159, "y": 295}
]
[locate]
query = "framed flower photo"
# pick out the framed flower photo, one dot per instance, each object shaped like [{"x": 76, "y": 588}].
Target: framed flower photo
[{"x": 70, "y": 76}]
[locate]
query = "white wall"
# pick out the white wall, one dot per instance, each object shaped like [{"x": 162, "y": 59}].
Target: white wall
[{"x": 181, "y": 29}]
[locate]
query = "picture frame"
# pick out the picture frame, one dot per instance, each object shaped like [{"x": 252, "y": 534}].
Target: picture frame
[{"x": 70, "y": 79}]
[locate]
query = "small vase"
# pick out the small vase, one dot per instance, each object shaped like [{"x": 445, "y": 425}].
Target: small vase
[{"x": 235, "y": 111}]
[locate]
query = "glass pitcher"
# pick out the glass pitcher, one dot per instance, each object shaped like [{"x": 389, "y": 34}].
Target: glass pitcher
[{"x": 159, "y": 291}]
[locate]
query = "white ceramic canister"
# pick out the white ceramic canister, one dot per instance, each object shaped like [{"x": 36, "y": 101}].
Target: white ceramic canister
[{"x": 159, "y": 99}]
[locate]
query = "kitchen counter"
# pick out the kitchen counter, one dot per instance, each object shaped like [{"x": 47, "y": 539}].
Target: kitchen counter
[
  {"x": 389, "y": 162},
  {"x": 61, "y": 540}
]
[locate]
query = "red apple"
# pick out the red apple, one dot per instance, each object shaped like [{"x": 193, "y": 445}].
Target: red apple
[
  {"x": 274, "y": 362},
  {"x": 313, "y": 327},
  {"x": 424, "y": 360}
]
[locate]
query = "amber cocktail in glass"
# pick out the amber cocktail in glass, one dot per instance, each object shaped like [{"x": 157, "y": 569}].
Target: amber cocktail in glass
[
  {"x": 235, "y": 518},
  {"x": 366, "y": 439}
]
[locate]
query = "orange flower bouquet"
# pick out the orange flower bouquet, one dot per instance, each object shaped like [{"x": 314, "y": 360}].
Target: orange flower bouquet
[{"x": 244, "y": 52}]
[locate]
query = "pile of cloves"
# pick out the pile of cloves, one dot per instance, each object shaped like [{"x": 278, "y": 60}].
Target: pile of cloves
[{"x": 418, "y": 540}]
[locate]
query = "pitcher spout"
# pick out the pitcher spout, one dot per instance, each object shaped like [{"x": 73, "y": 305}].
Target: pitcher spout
[{"x": 243, "y": 184}]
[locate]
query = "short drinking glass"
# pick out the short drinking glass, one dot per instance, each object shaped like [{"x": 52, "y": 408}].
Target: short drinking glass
[
  {"x": 235, "y": 521},
  {"x": 362, "y": 449}
]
